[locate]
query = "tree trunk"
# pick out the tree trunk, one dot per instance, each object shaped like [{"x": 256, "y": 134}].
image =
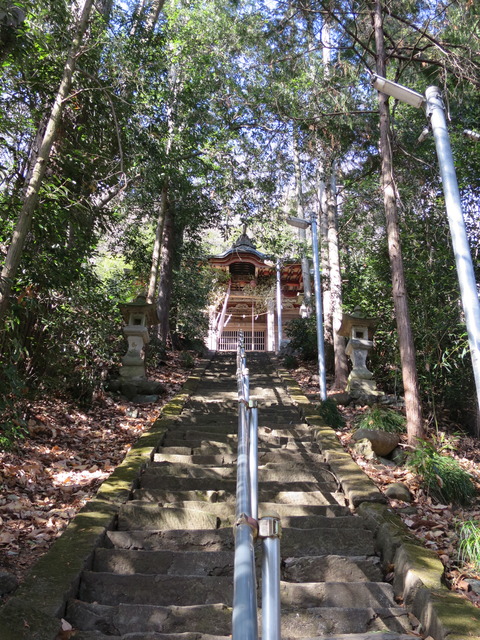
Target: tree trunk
[
  {"x": 323, "y": 234},
  {"x": 170, "y": 109},
  {"x": 341, "y": 367},
  {"x": 155, "y": 9},
  {"x": 307, "y": 287},
  {"x": 30, "y": 198},
  {"x": 165, "y": 282},
  {"x": 157, "y": 246},
  {"x": 415, "y": 427}
]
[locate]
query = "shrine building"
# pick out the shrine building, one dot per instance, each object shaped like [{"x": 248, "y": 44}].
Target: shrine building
[{"x": 255, "y": 289}]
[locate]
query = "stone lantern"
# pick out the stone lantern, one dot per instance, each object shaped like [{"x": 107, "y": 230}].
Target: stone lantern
[
  {"x": 138, "y": 315},
  {"x": 359, "y": 329}
]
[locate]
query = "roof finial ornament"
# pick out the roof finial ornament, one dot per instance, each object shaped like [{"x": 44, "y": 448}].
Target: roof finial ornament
[{"x": 243, "y": 240}]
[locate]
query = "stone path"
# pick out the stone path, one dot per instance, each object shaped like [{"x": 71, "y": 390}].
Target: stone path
[{"x": 166, "y": 570}]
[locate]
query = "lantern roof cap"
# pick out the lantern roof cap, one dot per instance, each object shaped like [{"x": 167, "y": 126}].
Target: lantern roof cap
[
  {"x": 356, "y": 319},
  {"x": 139, "y": 306}
]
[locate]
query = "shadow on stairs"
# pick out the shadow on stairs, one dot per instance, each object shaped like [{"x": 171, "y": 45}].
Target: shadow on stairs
[{"x": 166, "y": 570}]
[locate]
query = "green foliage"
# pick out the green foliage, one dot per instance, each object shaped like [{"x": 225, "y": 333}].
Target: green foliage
[
  {"x": 194, "y": 283},
  {"x": 187, "y": 360},
  {"x": 330, "y": 412},
  {"x": 12, "y": 425},
  {"x": 303, "y": 336},
  {"x": 443, "y": 476},
  {"x": 63, "y": 338},
  {"x": 469, "y": 545},
  {"x": 290, "y": 362},
  {"x": 383, "y": 419},
  {"x": 11, "y": 430}
]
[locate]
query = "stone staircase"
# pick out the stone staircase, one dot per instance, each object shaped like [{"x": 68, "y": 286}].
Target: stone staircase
[{"x": 166, "y": 571}]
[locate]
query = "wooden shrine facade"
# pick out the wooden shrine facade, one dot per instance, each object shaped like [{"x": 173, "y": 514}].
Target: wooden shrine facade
[{"x": 250, "y": 302}]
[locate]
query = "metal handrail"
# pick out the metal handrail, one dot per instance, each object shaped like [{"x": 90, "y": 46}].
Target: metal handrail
[
  {"x": 248, "y": 528},
  {"x": 244, "y": 618}
]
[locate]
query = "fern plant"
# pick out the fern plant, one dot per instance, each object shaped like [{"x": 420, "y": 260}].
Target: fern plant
[
  {"x": 382, "y": 419},
  {"x": 329, "y": 411},
  {"x": 469, "y": 546},
  {"x": 443, "y": 476}
]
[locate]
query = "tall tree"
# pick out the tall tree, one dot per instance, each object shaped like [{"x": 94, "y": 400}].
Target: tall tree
[
  {"x": 341, "y": 368},
  {"x": 415, "y": 425},
  {"x": 40, "y": 161}
]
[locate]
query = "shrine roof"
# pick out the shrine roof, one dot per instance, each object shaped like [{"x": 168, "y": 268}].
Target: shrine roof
[{"x": 243, "y": 249}]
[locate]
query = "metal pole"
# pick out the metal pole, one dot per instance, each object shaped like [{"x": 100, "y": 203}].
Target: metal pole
[
  {"x": 279, "y": 306},
  {"x": 253, "y": 459},
  {"x": 319, "y": 314},
  {"x": 461, "y": 249},
  {"x": 244, "y": 617},
  {"x": 243, "y": 476},
  {"x": 269, "y": 531},
  {"x": 253, "y": 324}
]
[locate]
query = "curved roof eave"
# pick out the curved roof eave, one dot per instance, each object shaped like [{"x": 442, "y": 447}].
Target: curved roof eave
[{"x": 242, "y": 253}]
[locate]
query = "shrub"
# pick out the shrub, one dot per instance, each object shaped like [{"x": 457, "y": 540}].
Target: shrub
[
  {"x": 303, "y": 336},
  {"x": 469, "y": 546},
  {"x": 12, "y": 423},
  {"x": 382, "y": 419},
  {"x": 187, "y": 360},
  {"x": 290, "y": 362},
  {"x": 10, "y": 432},
  {"x": 443, "y": 476},
  {"x": 328, "y": 410}
]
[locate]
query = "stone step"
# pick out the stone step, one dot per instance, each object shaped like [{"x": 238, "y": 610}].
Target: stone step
[
  {"x": 295, "y": 543},
  {"x": 267, "y": 490},
  {"x": 179, "y": 563},
  {"x": 220, "y": 563},
  {"x": 349, "y": 620},
  {"x": 230, "y": 420},
  {"x": 181, "y": 540},
  {"x": 150, "y": 516},
  {"x": 220, "y": 448},
  {"x": 162, "y": 590},
  {"x": 258, "y": 379},
  {"x": 267, "y": 411},
  {"x": 374, "y": 635},
  {"x": 331, "y": 568},
  {"x": 318, "y": 542},
  {"x": 165, "y": 496},
  {"x": 265, "y": 395},
  {"x": 280, "y": 456},
  {"x": 222, "y": 433},
  {"x": 97, "y": 635},
  {"x": 197, "y": 460},
  {"x": 282, "y": 499},
  {"x": 285, "y": 511},
  {"x": 180, "y": 437},
  {"x": 137, "y": 514},
  {"x": 167, "y": 590},
  {"x": 210, "y": 428},
  {"x": 214, "y": 446},
  {"x": 270, "y": 471},
  {"x": 127, "y": 618},
  {"x": 217, "y": 618}
]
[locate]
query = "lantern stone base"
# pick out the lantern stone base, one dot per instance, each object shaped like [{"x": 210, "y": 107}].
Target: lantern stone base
[
  {"x": 133, "y": 372},
  {"x": 360, "y": 387}
]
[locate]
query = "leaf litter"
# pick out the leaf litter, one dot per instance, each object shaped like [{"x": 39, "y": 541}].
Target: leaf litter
[{"x": 66, "y": 455}]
